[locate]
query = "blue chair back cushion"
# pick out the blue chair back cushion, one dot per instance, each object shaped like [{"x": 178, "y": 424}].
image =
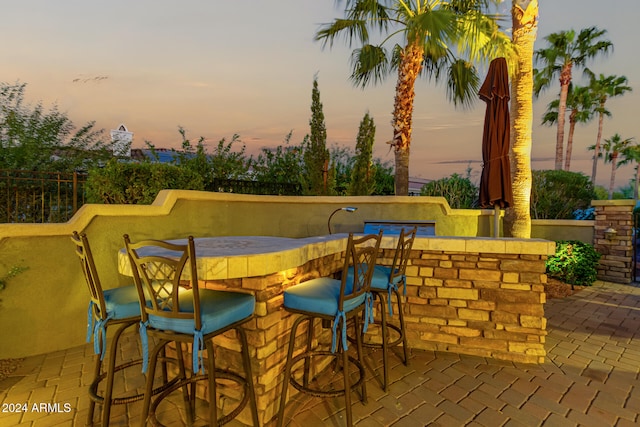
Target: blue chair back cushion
[
  {"x": 380, "y": 278},
  {"x": 122, "y": 302}
]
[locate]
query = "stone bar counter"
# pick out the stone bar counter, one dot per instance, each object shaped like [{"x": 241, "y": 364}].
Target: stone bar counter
[{"x": 476, "y": 296}]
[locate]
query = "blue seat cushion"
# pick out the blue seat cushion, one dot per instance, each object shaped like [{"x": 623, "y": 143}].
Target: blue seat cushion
[
  {"x": 218, "y": 309},
  {"x": 122, "y": 302},
  {"x": 320, "y": 296},
  {"x": 380, "y": 278}
]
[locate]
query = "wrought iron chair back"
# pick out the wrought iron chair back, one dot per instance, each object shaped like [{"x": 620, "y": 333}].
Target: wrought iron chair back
[
  {"x": 361, "y": 255},
  {"x": 403, "y": 253},
  {"x": 162, "y": 278},
  {"x": 83, "y": 251},
  {"x": 384, "y": 286},
  {"x": 115, "y": 307},
  {"x": 177, "y": 310}
]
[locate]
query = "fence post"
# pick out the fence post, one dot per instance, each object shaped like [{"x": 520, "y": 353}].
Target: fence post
[
  {"x": 75, "y": 192},
  {"x": 616, "y": 264}
]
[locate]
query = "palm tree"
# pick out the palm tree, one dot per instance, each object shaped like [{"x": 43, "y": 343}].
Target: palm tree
[
  {"x": 612, "y": 148},
  {"x": 565, "y": 51},
  {"x": 603, "y": 88},
  {"x": 525, "y": 27},
  {"x": 631, "y": 153},
  {"x": 440, "y": 40},
  {"x": 580, "y": 104}
]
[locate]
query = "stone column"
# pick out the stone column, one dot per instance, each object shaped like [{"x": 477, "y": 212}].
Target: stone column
[{"x": 616, "y": 264}]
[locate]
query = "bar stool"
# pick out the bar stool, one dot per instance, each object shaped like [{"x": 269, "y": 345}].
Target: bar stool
[
  {"x": 111, "y": 307},
  {"x": 385, "y": 282},
  {"x": 194, "y": 316},
  {"x": 335, "y": 302}
]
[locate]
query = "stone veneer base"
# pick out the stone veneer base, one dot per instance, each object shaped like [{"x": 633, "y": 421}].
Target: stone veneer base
[{"x": 477, "y": 296}]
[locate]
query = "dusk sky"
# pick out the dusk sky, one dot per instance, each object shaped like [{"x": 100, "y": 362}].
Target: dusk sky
[{"x": 218, "y": 68}]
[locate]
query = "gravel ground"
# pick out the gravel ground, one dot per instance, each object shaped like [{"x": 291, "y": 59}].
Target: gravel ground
[
  {"x": 7, "y": 366},
  {"x": 554, "y": 288}
]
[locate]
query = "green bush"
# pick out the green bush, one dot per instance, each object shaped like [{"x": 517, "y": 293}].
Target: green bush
[
  {"x": 13, "y": 272},
  {"x": 556, "y": 194},
  {"x": 460, "y": 192},
  {"x": 137, "y": 183},
  {"x": 575, "y": 263}
]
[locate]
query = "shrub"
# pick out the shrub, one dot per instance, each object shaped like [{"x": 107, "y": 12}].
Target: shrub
[
  {"x": 13, "y": 272},
  {"x": 601, "y": 193},
  {"x": 556, "y": 194},
  {"x": 137, "y": 183},
  {"x": 460, "y": 192},
  {"x": 575, "y": 263},
  {"x": 584, "y": 214}
]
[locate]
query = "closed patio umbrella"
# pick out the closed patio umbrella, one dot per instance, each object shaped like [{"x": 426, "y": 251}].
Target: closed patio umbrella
[{"x": 495, "y": 182}]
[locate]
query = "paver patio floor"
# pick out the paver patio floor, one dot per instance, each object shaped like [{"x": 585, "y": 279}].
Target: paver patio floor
[{"x": 590, "y": 378}]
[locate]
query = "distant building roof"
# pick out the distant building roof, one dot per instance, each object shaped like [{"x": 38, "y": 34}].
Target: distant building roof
[
  {"x": 415, "y": 184},
  {"x": 163, "y": 155}
]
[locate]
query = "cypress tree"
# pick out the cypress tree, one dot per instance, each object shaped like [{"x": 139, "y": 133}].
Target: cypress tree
[
  {"x": 316, "y": 155},
  {"x": 363, "y": 174}
]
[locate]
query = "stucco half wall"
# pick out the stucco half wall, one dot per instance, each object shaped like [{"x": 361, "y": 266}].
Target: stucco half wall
[{"x": 44, "y": 308}]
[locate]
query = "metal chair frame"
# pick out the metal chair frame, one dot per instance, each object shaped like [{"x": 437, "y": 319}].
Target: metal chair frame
[
  {"x": 99, "y": 313},
  {"x": 165, "y": 303},
  {"x": 397, "y": 269},
  {"x": 360, "y": 251}
]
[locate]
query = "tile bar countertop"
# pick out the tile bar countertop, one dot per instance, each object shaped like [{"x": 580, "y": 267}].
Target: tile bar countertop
[{"x": 231, "y": 257}]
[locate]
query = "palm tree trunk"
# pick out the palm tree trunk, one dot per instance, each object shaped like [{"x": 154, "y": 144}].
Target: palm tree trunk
[
  {"x": 525, "y": 29},
  {"x": 635, "y": 189},
  {"x": 596, "y": 151},
  {"x": 565, "y": 79},
  {"x": 572, "y": 128},
  {"x": 408, "y": 71},
  {"x": 612, "y": 181}
]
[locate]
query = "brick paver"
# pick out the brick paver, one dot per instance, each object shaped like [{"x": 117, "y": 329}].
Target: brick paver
[{"x": 590, "y": 378}]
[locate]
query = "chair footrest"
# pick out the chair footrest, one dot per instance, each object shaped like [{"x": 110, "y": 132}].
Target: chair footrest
[
  {"x": 220, "y": 374},
  {"x": 93, "y": 388},
  {"x": 316, "y": 392},
  {"x": 393, "y": 343}
]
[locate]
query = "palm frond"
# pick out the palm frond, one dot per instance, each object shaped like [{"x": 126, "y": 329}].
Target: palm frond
[
  {"x": 369, "y": 65},
  {"x": 480, "y": 39},
  {"x": 465, "y": 6},
  {"x": 353, "y": 30},
  {"x": 550, "y": 116},
  {"x": 462, "y": 83},
  {"x": 587, "y": 46},
  {"x": 436, "y": 61},
  {"x": 373, "y": 11},
  {"x": 436, "y": 25}
]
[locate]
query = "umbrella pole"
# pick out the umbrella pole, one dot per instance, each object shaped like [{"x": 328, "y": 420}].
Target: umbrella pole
[{"x": 496, "y": 220}]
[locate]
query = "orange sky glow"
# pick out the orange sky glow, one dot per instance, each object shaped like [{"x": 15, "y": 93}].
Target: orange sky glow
[{"x": 220, "y": 68}]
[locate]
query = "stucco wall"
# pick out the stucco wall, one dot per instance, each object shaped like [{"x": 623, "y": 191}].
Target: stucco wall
[
  {"x": 44, "y": 308},
  {"x": 563, "y": 229}
]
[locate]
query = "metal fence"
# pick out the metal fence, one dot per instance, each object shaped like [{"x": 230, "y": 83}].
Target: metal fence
[
  {"x": 40, "y": 197},
  {"x": 51, "y": 197},
  {"x": 255, "y": 187}
]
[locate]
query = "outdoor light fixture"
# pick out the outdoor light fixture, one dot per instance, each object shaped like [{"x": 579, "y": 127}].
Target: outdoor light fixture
[
  {"x": 346, "y": 209},
  {"x": 610, "y": 233}
]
